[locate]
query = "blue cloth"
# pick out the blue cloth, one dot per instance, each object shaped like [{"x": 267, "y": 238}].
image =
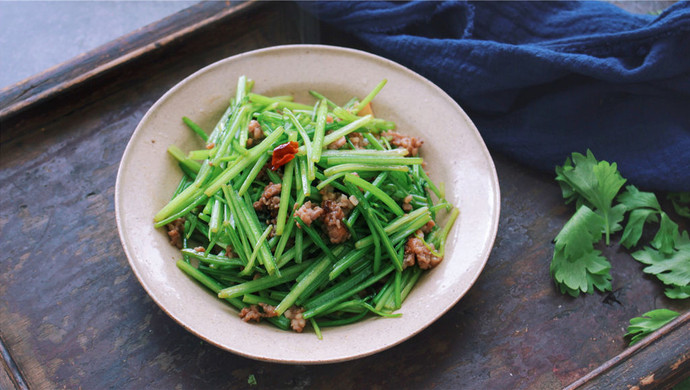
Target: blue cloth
[{"x": 544, "y": 79}]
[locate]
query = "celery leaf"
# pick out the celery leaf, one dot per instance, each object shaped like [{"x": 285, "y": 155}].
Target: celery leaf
[
  {"x": 595, "y": 184},
  {"x": 681, "y": 203},
  {"x": 633, "y": 229},
  {"x": 666, "y": 236},
  {"x": 640, "y": 327},
  {"x": 678, "y": 292},
  {"x": 633, "y": 198},
  {"x": 576, "y": 266},
  {"x": 672, "y": 269}
]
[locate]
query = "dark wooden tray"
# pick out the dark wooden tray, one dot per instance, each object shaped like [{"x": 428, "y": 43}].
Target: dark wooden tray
[{"x": 72, "y": 315}]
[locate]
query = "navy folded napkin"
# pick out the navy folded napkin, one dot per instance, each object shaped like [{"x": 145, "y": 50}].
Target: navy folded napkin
[{"x": 544, "y": 79}]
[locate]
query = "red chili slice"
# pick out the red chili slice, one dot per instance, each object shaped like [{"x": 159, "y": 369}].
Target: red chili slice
[{"x": 283, "y": 154}]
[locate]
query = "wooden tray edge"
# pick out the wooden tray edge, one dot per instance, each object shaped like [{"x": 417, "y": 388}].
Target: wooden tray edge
[
  {"x": 635, "y": 364},
  {"x": 57, "y": 80},
  {"x": 10, "y": 368},
  {"x": 19, "y": 97}
]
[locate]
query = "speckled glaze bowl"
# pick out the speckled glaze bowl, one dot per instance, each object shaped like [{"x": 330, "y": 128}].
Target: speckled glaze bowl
[{"x": 453, "y": 150}]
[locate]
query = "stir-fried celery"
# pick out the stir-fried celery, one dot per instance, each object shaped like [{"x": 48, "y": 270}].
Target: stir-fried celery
[{"x": 298, "y": 212}]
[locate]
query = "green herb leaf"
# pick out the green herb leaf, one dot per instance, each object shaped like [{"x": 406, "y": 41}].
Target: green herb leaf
[
  {"x": 681, "y": 203},
  {"x": 678, "y": 292},
  {"x": 633, "y": 198},
  {"x": 644, "y": 207},
  {"x": 640, "y": 327},
  {"x": 589, "y": 271},
  {"x": 596, "y": 184},
  {"x": 576, "y": 266},
  {"x": 579, "y": 233},
  {"x": 672, "y": 269},
  {"x": 613, "y": 219},
  {"x": 633, "y": 229},
  {"x": 666, "y": 236}
]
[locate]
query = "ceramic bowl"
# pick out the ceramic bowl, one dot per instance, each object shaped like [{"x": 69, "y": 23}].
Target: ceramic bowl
[{"x": 453, "y": 151}]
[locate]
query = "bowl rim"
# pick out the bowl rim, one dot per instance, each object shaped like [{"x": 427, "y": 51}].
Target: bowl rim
[{"x": 485, "y": 252}]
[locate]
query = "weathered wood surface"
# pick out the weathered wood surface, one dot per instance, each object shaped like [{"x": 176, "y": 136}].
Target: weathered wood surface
[
  {"x": 73, "y": 315},
  {"x": 111, "y": 57},
  {"x": 10, "y": 375},
  {"x": 648, "y": 369}
]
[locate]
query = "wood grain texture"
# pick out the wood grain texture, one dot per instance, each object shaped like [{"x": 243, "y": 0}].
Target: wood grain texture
[
  {"x": 10, "y": 375},
  {"x": 73, "y": 315},
  {"x": 642, "y": 366},
  {"x": 113, "y": 55},
  {"x": 5, "y": 380}
]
